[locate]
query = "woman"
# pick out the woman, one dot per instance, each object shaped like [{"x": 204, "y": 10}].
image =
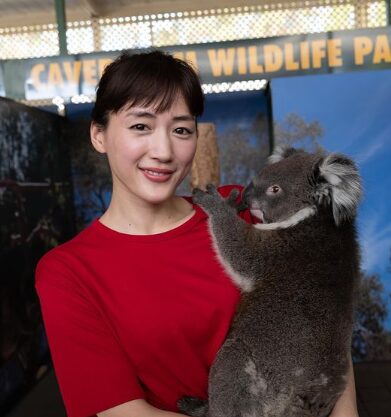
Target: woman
[{"x": 136, "y": 306}]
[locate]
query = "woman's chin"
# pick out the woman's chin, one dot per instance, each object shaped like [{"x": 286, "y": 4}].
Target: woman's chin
[{"x": 159, "y": 197}]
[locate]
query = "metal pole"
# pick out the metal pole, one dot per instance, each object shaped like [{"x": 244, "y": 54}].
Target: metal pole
[
  {"x": 388, "y": 11},
  {"x": 61, "y": 26},
  {"x": 270, "y": 121}
]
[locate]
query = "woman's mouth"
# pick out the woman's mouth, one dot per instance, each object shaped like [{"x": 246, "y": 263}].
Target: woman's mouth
[{"x": 157, "y": 174}]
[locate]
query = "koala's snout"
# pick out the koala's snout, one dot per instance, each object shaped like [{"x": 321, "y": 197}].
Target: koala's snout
[
  {"x": 248, "y": 194},
  {"x": 248, "y": 199}
]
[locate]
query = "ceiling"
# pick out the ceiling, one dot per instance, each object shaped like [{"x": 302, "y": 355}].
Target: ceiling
[{"x": 14, "y": 13}]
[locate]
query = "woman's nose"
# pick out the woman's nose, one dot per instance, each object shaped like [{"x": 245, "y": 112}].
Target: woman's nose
[{"x": 160, "y": 146}]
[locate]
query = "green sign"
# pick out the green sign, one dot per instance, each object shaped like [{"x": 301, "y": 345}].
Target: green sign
[{"x": 249, "y": 59}]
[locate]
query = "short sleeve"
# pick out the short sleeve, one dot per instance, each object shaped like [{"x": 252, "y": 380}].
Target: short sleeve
[{"x": 93, "y": 371}]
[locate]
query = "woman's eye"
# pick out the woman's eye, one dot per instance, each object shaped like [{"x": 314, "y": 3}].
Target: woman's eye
[
  {"x": 139, "y": 126},
  {"x": 183, "y": 131},
  {"x": 273, "y": 189}
]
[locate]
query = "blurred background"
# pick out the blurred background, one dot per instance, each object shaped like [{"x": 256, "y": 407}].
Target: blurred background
[{"x": 309, "y": 74}]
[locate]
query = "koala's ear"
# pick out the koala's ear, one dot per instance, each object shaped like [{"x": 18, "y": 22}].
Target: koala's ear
[
  {"x": 280, "y": 153},
  {"x": 338, "y": 182}
]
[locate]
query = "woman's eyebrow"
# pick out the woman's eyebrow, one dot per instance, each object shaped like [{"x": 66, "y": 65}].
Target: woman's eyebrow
[
  {"x": 141, "y": 113},
  {"x": 184, "y": 118}
]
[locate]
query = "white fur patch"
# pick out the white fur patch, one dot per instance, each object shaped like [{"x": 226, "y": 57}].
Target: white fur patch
[
  {"x": 323, "y": 379},
  {"x": 279, "y": 406},
  {"x": 277, "y": 155},
  {"x": 330, "y": 177},
  {"x": 334, "y": 171},
  {"x": 245, "y": 284},
  {"x": 291, "y": 221},
  {"x": 257, "y": 213},
  {"x": 298, "y": 372},
  {"x": 258, "y": 384}
]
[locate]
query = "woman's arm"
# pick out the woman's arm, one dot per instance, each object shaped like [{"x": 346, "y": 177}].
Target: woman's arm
[
  {"x": 136, "y": 408},
  {"x": 346, "y": 405}
]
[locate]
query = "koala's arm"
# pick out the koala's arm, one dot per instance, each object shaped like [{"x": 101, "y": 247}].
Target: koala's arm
[
  {"x": 236, "y": 242},
  {"x": 346, "y": 405}
]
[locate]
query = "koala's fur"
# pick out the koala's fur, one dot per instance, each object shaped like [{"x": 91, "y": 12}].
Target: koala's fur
[{"x": 287, "y": 353}]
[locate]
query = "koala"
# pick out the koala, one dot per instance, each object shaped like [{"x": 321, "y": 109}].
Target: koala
[{"x": 287, "y": 353}]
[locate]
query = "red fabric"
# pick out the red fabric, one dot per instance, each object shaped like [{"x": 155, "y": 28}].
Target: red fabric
[{"x": 132, "y": 317}]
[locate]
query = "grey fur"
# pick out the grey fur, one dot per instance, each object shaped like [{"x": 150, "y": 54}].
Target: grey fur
[{"x": 287, "y": 352}]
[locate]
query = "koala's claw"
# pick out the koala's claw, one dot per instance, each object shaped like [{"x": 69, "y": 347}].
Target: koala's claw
[
  {"x": 207, "y": 199},
  {"x": 211, "y": 200},
  {"x": 198, "y": 195},
  {"x": 193, "y": 406},
  {"x": 233, "y": 195},
  {"x": 211, "y": 189}
]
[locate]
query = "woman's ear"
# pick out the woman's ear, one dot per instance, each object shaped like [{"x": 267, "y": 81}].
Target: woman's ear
[{"x": 97, "y": 134}]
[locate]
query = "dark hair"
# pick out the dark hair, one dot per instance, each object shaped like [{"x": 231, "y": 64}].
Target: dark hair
[{"x": 144, "y": 79}]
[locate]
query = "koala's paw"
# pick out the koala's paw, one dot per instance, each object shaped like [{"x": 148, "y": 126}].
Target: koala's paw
[
  {"x": 207, "y": 199},
  {"x": 232, "y": 197},
  {"x": 193, "y": 406},
  {"x": 214, "y": 204}
]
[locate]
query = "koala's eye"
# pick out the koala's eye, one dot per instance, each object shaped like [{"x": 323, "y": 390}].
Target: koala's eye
[{"x": 273, "y": 189}]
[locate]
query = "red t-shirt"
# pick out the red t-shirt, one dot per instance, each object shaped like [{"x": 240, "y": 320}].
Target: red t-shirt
[{"x": 130, "y": 316}]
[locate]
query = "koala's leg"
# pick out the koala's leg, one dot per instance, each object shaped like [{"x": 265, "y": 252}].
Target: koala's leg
[
  {"x": 233, "y": 238},
  {"x": 236, "y": 389}
]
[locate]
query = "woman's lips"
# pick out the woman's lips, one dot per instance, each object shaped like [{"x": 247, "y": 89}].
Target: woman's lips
[{"x": 157, "y": 174}]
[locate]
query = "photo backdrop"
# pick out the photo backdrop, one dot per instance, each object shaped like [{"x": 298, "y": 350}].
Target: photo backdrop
[
  {"x": 350, "y": 113},
  {"x": 36, "y": 213}
]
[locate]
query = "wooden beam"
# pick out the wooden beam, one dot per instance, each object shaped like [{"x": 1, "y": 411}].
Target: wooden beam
[{"x": 93, "y": 9}]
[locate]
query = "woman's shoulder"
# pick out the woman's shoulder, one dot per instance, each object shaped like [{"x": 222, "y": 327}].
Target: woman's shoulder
[
  {"x": 64, "y": 249},
  {"x": 57, "y": 265}
]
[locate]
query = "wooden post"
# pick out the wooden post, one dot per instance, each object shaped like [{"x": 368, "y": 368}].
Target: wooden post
[{"x": 206, "y": 167}]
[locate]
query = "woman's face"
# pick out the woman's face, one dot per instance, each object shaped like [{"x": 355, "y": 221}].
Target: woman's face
[{"x": 149, "y": 153}]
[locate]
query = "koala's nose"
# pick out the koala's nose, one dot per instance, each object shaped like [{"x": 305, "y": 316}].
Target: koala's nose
[{"x": 248, "y": 193}]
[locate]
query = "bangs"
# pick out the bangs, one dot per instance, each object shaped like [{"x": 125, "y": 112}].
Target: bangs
[
  {"x": 158, "y": 94},
  {"x": 153, "y": 79}
]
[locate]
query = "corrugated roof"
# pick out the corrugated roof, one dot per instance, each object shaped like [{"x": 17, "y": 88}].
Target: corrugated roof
[{"x": 15, "y": 13}]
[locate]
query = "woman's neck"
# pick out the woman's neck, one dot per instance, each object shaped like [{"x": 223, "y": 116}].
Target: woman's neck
[{"x": 141, "y": 218}]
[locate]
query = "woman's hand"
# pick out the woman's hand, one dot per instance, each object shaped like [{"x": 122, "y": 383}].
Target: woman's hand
[
  {"x": 136, "y": 408},
  {"x": 346, "y": 405}
]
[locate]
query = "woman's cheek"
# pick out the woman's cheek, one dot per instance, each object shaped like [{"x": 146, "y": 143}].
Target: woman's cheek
[{"x": 186, "y": 153}]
